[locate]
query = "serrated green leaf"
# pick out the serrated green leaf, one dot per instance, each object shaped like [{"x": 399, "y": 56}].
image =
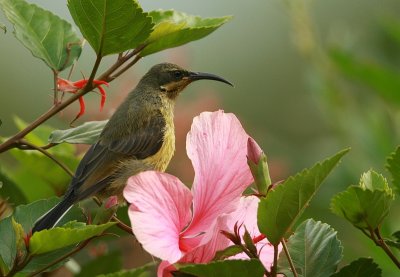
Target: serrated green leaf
[
  {"x": 227, "y": 252},
  {"x": 314, "y": 249},
  {"x": 363, "y": 208},
  {"x": 360, "y": 268},
  {"x": 373, "y": 181},
  {"x": 283, "y": 205},
  {"x": 243, "y": 268},
  {"x": 47, "y": 36},
  {"x": 19, "y": 235},
  {"x": 111, "y": 26},
  {"x": 393, "y": 166},
  {"x": 87, "y": 133},
  {"x": 147, "y": 270},
  {"x": 59, "y": 237},
  {"x": 173, "y": 28},
  {"x": 383, "y": 80}
]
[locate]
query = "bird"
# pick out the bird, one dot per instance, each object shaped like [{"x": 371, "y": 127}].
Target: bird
[{"x": 139, "y": 136}]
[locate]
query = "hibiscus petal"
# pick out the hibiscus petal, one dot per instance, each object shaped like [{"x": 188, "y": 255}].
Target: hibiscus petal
[
  {"x": 217, "y": 146},
  {"x": 160, "y": 210},
  {"x": 246, "y": 215}
]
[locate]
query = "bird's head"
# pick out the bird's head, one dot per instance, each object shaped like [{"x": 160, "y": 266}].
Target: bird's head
[{"x": 171, "y": 79}]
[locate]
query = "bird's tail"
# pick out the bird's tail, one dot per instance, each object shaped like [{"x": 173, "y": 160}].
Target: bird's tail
[{"x": 53, "y": 216}]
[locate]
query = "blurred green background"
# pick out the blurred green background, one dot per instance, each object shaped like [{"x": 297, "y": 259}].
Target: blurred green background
[{"x": 311, "y": 78}]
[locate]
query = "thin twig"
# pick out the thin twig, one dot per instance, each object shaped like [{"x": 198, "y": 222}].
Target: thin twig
[
  {"x": 129, "y": 65},
  {"x": 285, "y": 249},
  {"x": 385, "y": 247},
  {"x": 50, "y": 156}
]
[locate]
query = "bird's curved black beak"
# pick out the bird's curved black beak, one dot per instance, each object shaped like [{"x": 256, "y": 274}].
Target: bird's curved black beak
[{"x": 194, "y": 76}]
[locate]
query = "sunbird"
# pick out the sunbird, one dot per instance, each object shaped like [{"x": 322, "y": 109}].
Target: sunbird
[{"x": 139, "y": 136}]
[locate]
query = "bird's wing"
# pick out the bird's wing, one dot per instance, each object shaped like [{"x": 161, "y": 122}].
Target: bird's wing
[
  {"x": 141, "y": 143},
  {"x": 101, "y": 162}
]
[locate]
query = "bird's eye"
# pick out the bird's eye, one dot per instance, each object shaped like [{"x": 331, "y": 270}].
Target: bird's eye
[{"x": 178, "y": 74}]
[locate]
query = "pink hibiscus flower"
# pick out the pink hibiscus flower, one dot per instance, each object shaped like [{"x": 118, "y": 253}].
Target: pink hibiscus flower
[{"x": 176, "y": 224}]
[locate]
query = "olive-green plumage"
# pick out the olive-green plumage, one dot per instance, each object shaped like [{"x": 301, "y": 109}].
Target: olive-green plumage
[{"x": 139, "y": 136}]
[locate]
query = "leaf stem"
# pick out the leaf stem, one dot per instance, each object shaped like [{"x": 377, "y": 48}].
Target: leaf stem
[
  {"x": 275, "y": 264},
  {"x": 381, "y": 242},
  {"x": 286, "y": 250},
  {"x": 55, "y": 85}
]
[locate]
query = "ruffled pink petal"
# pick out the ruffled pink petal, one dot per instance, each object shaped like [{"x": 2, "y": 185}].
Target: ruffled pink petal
[
  {"x": 217, "y": 146},
  {"x": 215, "y": 242},
  {"x": 246, "y": 215},
  {"x": 165, "y": 269},
  {"x": 160, "y": 210}
]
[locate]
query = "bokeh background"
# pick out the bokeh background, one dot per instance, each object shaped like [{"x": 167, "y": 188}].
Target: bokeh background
[{"x": 311, "y": 78}]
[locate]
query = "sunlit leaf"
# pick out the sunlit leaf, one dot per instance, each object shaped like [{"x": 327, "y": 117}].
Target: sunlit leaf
[
  {"x": 314, "y": 249},
  {"x": 47, "y": 36},
  {"x": 87, "y": 133},
  {"x": 362, "y": 207},
  {"x": 279, "y": 210},
  {"x": 175, "y": 28},
  {"x": 360, "y": 268},
  {"x": 59, "y": 237},
  {"x": 243, "y": 268},
  {"x": 111, "y": 26}
]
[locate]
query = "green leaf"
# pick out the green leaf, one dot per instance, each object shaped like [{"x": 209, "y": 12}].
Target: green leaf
[
  {"x": 147, "y": 270},
  {"x": 87, "y": 133},
  {"x": 360, "y": 268},
  {"x": 8, "y": 245},
  {"x": 384, "y": 80},
  {"x": 35, "y": 168},
  {"x": 283, "y": 205},
  {"x": 59, "y": 237},
  {"x": 175, "y": 28},
  {"x": 243, "y": 268},
  {"x": 314, "y": 249},
  {"x": 393, "y": 166},
  {"x": 40, "y": 261},
  {"x": 362, "y": 207},
  {"x": 111, "y": 26},
  {"x": 373, "y": 181},
  {"x": 227, "y": 252},
  {"x": 9, "y": 190},
  {"x": 394, "y": 243},
  {"x": 47, "y": 36}
]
